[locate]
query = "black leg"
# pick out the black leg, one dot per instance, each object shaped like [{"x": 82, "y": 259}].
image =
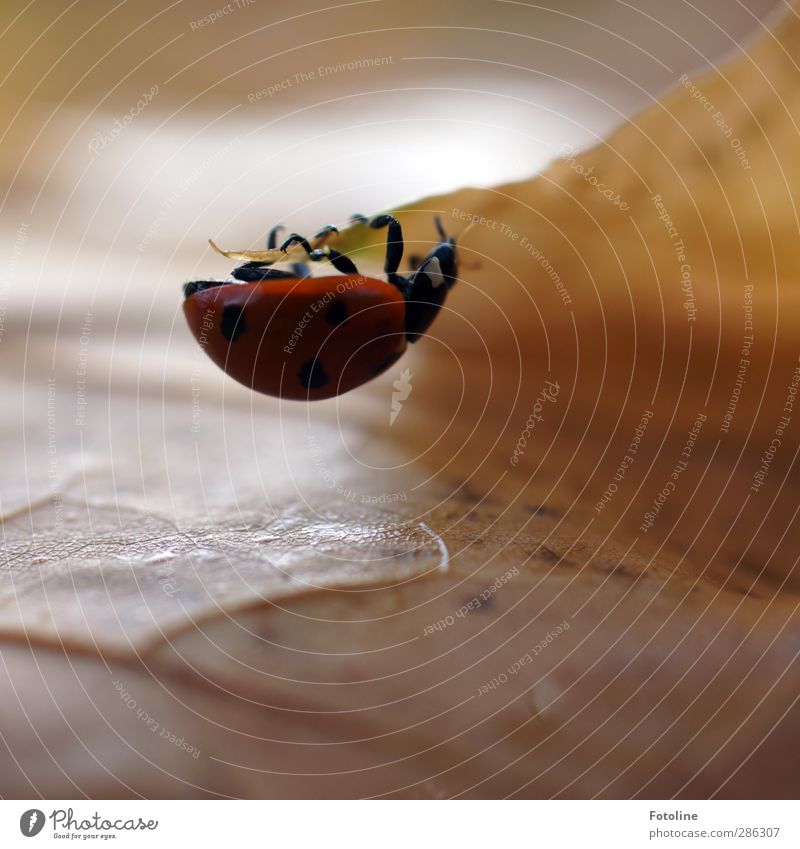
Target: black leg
[
  {"x": 299, "y": 269},
  {"x": 296, "y": 239},
  {"x": 318, "y": 241},
  {"x": 394, "y": 242},
  {"x": 256, "y": 270},
  {"x": 326, "y": 231},
  {"x": 272, "y": 239},
  {"x": 338, "y": 260}
]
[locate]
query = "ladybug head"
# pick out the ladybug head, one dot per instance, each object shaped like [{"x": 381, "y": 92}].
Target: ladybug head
[
  {"x": 445, "y": 252},
  {"x": 441, "y": 264},
  {"x": 429, "y": 284}
]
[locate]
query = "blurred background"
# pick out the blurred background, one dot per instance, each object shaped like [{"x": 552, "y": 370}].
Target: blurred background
[{"x": 131, "y": 132}]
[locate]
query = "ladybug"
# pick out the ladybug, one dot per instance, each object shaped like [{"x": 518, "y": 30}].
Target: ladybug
[{"x": 290, "y": 335}]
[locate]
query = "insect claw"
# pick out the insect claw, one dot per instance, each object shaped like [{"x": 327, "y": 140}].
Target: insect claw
[{"x": 296, "y": 239}]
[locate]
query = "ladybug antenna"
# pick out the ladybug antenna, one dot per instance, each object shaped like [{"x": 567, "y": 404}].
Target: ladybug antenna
[
  {"x": 475, "y": 263},
  {"x": 467, "y": 229},
  {"x": 443, "y": 233}
]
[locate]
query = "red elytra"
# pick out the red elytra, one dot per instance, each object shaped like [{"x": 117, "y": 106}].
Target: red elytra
[{"x": 304, "y": 339}]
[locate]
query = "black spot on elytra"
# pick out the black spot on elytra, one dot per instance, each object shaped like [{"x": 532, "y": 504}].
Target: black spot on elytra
[
  {"x": 232, "y": 325},
  {"x": 388, "y": 362},
  {"x": 337, "y": 312},
  {"x": 312, "y": 375}
]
